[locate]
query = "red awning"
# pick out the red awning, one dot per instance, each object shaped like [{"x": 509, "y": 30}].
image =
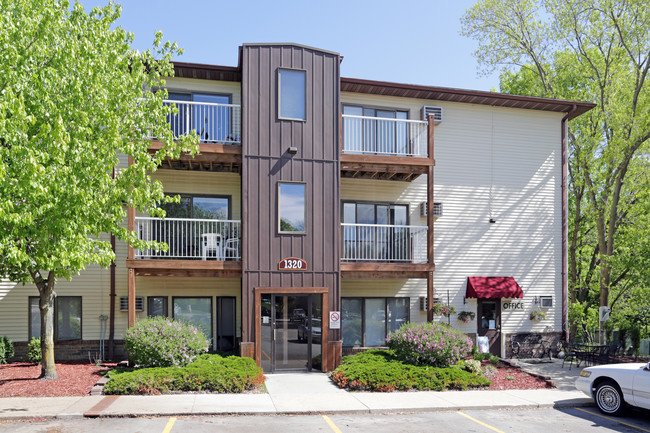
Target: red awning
[{"x": 493, "y": 287}]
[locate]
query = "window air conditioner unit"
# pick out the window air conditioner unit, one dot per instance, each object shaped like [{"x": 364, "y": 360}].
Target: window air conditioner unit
[
  {"x": 546, "y": 301},
  {"x": 437, "y": 209},
  {"x": 124, "y": 303},
  {"x": 436, "y": 111},
  {"x": 423, "y": 302}
]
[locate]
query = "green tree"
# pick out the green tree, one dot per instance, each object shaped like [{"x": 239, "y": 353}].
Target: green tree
[
  {"x": 594, "y": 50},
  {"x": 74, "y": 103}
]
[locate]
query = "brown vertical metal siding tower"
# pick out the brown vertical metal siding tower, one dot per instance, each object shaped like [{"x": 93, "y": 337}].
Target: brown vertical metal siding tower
[{"x": 266, "y": 161}]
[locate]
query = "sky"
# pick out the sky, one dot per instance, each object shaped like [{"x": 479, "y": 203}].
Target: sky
[{"x": 413, "y": 42}]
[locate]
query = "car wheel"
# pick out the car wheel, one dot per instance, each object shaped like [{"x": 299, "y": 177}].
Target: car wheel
[{"x": 609, "y": 398}]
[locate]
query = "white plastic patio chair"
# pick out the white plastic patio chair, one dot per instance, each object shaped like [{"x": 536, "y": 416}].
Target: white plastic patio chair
[{"x": 211, "y": 242}]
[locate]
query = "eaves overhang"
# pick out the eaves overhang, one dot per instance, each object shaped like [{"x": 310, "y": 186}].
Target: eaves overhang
[{"x": 384, "y": 88}]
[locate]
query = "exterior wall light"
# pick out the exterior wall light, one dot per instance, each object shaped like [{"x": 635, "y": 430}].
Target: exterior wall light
[{"x": 292, "y": 150}]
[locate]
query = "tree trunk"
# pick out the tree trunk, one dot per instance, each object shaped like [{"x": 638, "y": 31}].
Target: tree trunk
[{"x": 46, "y": 305}]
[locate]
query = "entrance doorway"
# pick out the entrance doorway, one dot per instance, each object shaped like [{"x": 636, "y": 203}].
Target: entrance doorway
[
  {"x": 291, "y": 332},
  {"x": 489, "y": 323}
]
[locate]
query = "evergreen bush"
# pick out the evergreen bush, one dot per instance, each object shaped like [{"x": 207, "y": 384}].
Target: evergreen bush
[
  {"x": 34, "y": 351},
  {"x": 211, "y": 373}
]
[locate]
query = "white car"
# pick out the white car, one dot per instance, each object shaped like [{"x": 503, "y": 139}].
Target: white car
[{"x": 614, "y": 386}]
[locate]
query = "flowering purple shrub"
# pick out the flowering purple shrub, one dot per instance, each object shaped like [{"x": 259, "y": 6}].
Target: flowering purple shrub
[
  {"x": 164, "y": 342},
  {"x": 429, "y": 343}
]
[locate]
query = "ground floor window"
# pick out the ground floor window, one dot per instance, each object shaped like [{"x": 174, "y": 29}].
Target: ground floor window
[
  {"x": 157, "y": 306},
  {"x": 67, "y": 318},
  {"x": 367, "y": 321},
  {"x": 195, "y": 311},
  {"x": 226, "y": 323}
]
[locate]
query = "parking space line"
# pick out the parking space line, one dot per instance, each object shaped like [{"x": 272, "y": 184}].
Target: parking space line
[
  {"x": 331, "y": 424},
  {"x": 169, "y": 425},
  {"x": 480, "y": 422},
  {"x": 612, "y": 419}
]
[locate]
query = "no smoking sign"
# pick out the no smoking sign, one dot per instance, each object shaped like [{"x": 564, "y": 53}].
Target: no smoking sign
[{"x": 335, "y": 320}]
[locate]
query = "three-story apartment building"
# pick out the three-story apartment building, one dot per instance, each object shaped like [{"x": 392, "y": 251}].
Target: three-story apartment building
[{"x": 305, "y": 227}]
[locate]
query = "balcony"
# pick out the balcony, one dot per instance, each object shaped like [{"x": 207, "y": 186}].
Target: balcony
[
  {"x": 213, "y": 122},
  {"x": 384, "y": 243},
  {"x": 384, "y": 136},
  {"x": 190, "y": 239},
  {"x": 385, "y": 148}
]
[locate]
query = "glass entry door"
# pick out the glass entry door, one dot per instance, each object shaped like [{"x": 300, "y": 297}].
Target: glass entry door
[{"x": 291, "y": 332}]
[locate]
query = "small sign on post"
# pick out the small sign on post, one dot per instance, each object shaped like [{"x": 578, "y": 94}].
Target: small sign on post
[{"x": 335, "y": 320}]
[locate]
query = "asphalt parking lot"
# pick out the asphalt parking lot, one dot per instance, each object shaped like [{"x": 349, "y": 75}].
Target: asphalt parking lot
[{"x": 529, "y": 421}]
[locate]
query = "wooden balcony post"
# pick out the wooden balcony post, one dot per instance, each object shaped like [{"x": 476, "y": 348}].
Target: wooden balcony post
[
  {"x": 131, "y": 297},
  {"x": 430, "y": 218}
]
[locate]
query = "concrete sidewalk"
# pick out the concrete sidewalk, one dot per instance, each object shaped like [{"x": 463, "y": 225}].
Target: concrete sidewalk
[{"x": 296, "y": 393}]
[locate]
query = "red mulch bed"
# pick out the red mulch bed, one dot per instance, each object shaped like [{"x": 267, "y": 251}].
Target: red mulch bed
[
  {"x": 20, "y": 379},
  {"x": 507, "y": 377}
]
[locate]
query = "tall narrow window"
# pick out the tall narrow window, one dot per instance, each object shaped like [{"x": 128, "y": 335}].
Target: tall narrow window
[
  {"x": 292, "y": 94},
  {"x": 68, "y": 317},
  {"x": 291, "y": 206}
]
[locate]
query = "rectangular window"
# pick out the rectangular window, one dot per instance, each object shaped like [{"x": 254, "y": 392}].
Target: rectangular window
[
  {"x": 34, "y": 318},
  {"x": 292, "y": 94},
  {"x": 379, "y": 233},
  {"x": 373, "y": 134},
  {"x": 207, "y": 114},
  {"x": 291, "y": 207},
  {"x": 196, "y": 311},
  {"x": 157, "y": 306},
  {"x": 68, "y": 318},
  {"x": 366, "y": 322},
  {"x": 226, "y": 324},
  {"x": 199, "y": 207}
]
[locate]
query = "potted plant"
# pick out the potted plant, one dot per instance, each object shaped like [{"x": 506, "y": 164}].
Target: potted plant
[
  {"x": 466, "y": 316},
  {"x": 538, "y": 315},
  {"x": 443, "y": 310}
]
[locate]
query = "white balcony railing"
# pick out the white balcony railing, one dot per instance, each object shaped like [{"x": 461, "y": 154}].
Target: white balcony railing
[
  {"x": 214, "y": 123},
  {"x": 190, "y": 238},
  {"x": 381, "y": 136},
  {"x": 384, "y": 243}
]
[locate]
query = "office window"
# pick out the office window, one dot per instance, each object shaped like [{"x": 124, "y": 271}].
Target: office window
[
  {"x": 157, "y": 306},
  {"x": 366, "y": 322},
  {"x": 292, "y": 94},
  {"x": 195, "y": 311},
  {"x": 291, "y": 207}
]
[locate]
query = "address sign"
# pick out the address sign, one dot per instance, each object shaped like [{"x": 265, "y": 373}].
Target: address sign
[{"x": 292, "y": 264}]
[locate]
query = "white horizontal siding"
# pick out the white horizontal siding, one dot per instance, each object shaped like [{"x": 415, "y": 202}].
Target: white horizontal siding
[{"x": 490, "y": 162}]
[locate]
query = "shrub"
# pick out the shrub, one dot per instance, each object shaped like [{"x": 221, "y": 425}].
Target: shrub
[
  {"x": 207, "y": 373},
  {"x": 429, "y": 343},
  {"x": 6, "y": 350},
  {"x": 164, "y": 342},
  {"x": 34, "y": 351},
  {"x": 381, "y": 370},
  {"x": 473, "y": 366}
]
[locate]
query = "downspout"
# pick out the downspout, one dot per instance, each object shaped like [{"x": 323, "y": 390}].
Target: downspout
[
  {"x": 111, "y": 326},
  {"x": 565, "y": 225}
]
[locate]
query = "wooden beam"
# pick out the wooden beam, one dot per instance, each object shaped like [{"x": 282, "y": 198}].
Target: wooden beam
[
  {"x": 384, "y": 275},
  {"x": 131, "y": 297},
  {"x": 386, "y": 267},
  {"x": 187, "y": 273},
  {"x": 383, "y": 168},
  {"x": 205, "y": 148},
  {"x": 206, "y": 265},
  {"x": 386, "y": 160},
  {"x": 430, "y": 218}
]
